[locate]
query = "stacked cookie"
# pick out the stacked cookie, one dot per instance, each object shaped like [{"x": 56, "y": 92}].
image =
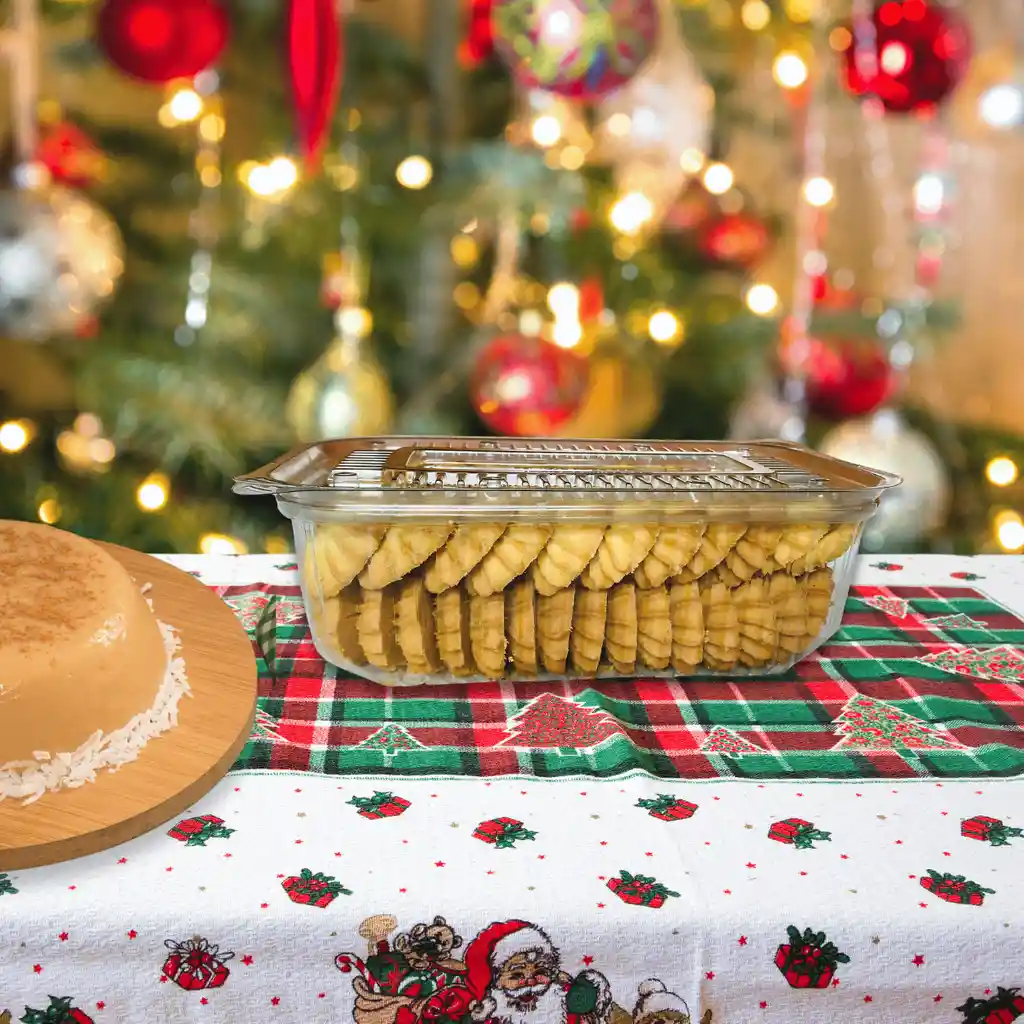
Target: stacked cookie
[{"x": 486, "y": 600}]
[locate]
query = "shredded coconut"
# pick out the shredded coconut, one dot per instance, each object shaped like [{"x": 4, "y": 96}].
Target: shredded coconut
[
  {"x": 49, "y": 772},
  {"x": 111, "y": 630}
]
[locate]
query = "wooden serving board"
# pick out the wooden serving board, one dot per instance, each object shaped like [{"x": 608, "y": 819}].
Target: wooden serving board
[{"x": 174, "y": 770}]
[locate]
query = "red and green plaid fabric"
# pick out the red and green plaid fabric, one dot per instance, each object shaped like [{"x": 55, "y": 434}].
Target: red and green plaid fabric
[{"x": 948, "y": 657}]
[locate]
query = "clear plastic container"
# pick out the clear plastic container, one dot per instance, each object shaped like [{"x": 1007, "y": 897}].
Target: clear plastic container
[{"x": 443, "y": 560}]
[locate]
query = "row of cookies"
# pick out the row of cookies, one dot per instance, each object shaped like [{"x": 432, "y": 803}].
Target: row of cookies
[
  {"x": 486, "y": 558},
  {"x": 578, "y": 631}
]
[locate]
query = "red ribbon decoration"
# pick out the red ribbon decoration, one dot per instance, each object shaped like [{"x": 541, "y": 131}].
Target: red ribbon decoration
[{"x": 314, "y": 68}]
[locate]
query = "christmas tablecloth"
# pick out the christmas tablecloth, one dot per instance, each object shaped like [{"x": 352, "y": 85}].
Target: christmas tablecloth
[{"x": 845, "y": 842}]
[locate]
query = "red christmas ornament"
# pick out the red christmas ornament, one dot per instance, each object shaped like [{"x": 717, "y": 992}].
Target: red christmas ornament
[
  {"x": 918, "y": 56},
  {"x": 314, "y": 70},
  {"x": 71, "y": 157},
  {"x": 734, "y": 239},
  {"x": 479, "y": 42},
  {"x": 690, "y": 212},
  {"x": 526, "y": 387},
  {"x": 160, "y": 40},
  {"x": 591, "y": 299},
  {"x": 848, "y": 379}
]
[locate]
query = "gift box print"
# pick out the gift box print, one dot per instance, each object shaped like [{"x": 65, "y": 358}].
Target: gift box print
[
  {"x": 988, "y": 830},
  {"x": 808, "y": 960},
  {"x": 668, "y": 808},
  {"x": 313, "y": 890},
  {"x": 195, "y": 964},
  {"x": 955, "y": 888},
  {"x": 59, "y": 1011},
  {"x": 380, "y": 805},
  {"x": 502, "y": 833},
  {"x": 799, "y": 833},
  {"x": 1005, "y": 1006},
  {"x": 196, "y": 831},
  {"x": 640, "y": 890}
]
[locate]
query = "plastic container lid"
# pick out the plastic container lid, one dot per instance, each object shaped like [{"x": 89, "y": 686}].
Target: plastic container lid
[{"x": 467, "y": 478}]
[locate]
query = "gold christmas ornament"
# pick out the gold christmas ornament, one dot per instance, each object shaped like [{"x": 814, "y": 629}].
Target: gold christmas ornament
[{"x": 345, "y": 393}]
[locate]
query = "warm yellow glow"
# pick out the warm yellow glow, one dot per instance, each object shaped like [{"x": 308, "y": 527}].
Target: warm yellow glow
[
  {"x": 718, "y": 178},
  {"x": 1010, "y": 533},
  {"x": 540, "y": 223},
  {"x": 49, "y": 511},
  {"x": 275, "y": 545},
  {"x": 762, "y": 299},
  {"x": 692, "y": 161},
  {"x": 355, "y": 321},
  {"x": 211, "y": 128},
  {"x": 102, "y": 450},
  {"x": 273, "y": 179},
  {"x": 414, "y": 172},
  {"x": 566, "y": 333},
  {"x": 619, "y": 124},
  {"x": 789, "y": 70},
  {"x": 1002, "y": 471},
  {"x": 165, "y": 118},
  {"x": 755, "y": 15},
  {"x": 564, "y": 300},
  {"x": 802, "y": 10},
  {"x": 546, "y": 131},
  {"x": 210, "y": 177},
  {"x": 283, "y": 172},
  {"x": 664, "y": 327},
  {"x": 466, "y": 295},
  {"x": 14, "y": 436},
  {"x": 465, "y": 252},
  {"x": 630, "y": 213},
  {"x": 572, "y": 158},
  {"x": 221, "y": 544},
  {"x": 819, "y": 191},
  {"x": 152, "y": 493},
  {"x": 531, "y": 323},
  {"x": 185, "y": 105},
  {"x": 87, "y": 424},
  {"x": 840, "y": 39}
]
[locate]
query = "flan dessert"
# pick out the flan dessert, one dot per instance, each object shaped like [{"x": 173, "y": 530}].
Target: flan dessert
[{"x": 87, "y": 674}]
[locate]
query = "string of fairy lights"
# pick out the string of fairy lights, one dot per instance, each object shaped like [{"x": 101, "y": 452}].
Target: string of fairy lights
[{"x": 549, "y": 310}]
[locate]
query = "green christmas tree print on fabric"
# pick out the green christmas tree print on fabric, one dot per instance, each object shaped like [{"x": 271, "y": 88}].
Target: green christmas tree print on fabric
[
  {"x": 869, "y": 724},
  {"x": 391, "y": 739},
  {"x": 550, "y": 721},
  {"x": 724, "y": 741}
]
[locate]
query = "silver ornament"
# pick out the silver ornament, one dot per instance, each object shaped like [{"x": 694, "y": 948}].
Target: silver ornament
[
  {"x": 60, "y": 258},
  {"x": 763, "y": 415},
  {"x": 884, "y": 442}
]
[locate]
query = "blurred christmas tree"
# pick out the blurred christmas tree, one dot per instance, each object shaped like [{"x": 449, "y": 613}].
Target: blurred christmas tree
[{"x": 523, "y": 221}]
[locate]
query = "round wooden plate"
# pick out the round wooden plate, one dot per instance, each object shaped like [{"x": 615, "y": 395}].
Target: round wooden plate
[{"x": 175, "y": 769}]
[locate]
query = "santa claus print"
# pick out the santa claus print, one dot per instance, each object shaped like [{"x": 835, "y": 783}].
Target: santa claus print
[{"x": 656, "y": 1005}]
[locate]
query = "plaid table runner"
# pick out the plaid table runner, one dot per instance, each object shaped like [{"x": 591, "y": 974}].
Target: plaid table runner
[{"x": 922, "y": 681}]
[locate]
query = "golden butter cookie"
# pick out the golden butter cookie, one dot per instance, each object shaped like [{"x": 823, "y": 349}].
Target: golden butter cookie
[
  {"x": 654, "y": 628},
  {"x": 404, "y": 548},
  {"x": 754, "y": 551},
  {"x": 589, "y": 616},
  {"x": 462, "y": 553},
  {"x": 565, "y": 556},
  {"x": 687, "y": 613},
  {"x": 797, "y": 541},
  {"x": 521, "y": 627},
  {"x": 620, "y": 634},
  {"x": 718, "y": 540},
  {"x": 376, "y": 629},
  {"x": 834, "y": 544},
  {"x": 340, "y": 617},
  {"x": 414, "y": 626},
  {"x": 514, "y": 553},
  {"x": 451, "y": 627},
  {"x": 487, "y": 633},
  {"x": 759, "y": 633},
  {"x": 623, "y": 547},
  {"x": 336, "y": 554},
  {"x": 673, "y": 549},
  {"x": 554, "y": 626},
  {"x": 721, "y": 627}
]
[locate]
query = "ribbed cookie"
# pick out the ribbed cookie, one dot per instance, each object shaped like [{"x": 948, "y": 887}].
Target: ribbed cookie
[
  {"x": 687, "y": 615},
  {"x": 759, "y": 634},
  {"x": 620, "y": 635},
  {"x": 514, "y": 553},
  {"x": 451, "y": 626},
  {"x": 672, "y": 551},
  {"x": 414, "y": 626},
  {"x": 376, "y": 629},
  {"x": 623, "y": 547},
  {"x": 654, "y": 628},
  {"x": 340, "y": 622},
  {"x": 754, "y": 551},
  {"x": 404, "y": 548},
  {"x": 834, "y": 544},
  {"x": 462, "y": 552},
  {"x": 337, "y": 553},
  {"x": 589, "y": 615},
  {"x": 797, "y": 541},
  {"x": 554, "y": 625},
  {"x": 721, "y": 627},
  {"x": 718, "y": 540},
  {"x": 487, "y": 633},
  {"x": 521, "y": 627},
  {"x": 565, "y": 556}
]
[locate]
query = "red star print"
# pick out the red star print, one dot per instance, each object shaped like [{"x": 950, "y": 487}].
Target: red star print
[
  {"x": 298, "y": 791},
  {"x": 924, "y": 905},
  {"x": 433, "y": 796},
  {"x": 945, "y": 814},
  {"x": 298, "y": 842},
  {"x": 716, "y": 798},
  {"x": 204, "y": 1000},
  {"x": 648, "y": 854},
  {"x": 803, "y": 872},
  {"x": 587, "y": 961},
  {"x": 72, "y": 886},
  {"x": 946, "y": 853},
  {"x": 751, "y": 864},
  {"x": 263, "y": 906},
  {"x": 858, "y": 794},
  {"x": 844, "y": 856},
  {"x": 522, "y": 792},
  {"x": 247, "y": 960},
  {"x": 911, "y": 876},
  {"x": 835, "y": 983},
  {"x": 728, "y": 892},
  {"x": 321, "y": 995},
  {"x": 742, "y": 940},
  {"x": 238, "y": 789},
  {"x": 710, "y": 975},
  {"x": 937, "y": 999},
  {"x": 38, "y": 968},
  {"x": 63, "y": 936},
  {"x": 123, "y": 860},
  {"x": 164, "y": 979},
  {"x": 168, "y": 869},
  {"x": 918, "y": 960},
  {"x": 706, "y": 843},
  {"x": 100, "y": 1005},
  {"x": 799, "y": 794},
  {"x": 438, "y": 863},
  {"x": 274, "y": 1000},
  {"x": 227, "y": 854},
  {"x": 132, "y": 934},
  {"x": 868, "y": 999},
  {"x": 337, "y": 853},
  {"x": 899, "y": 842},
  {"x": 604, "y": 842},
  {"x": 600, "y": 906},
  {"x": 540, "y": 856},
  {"x": 763, "y": 1005}
]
